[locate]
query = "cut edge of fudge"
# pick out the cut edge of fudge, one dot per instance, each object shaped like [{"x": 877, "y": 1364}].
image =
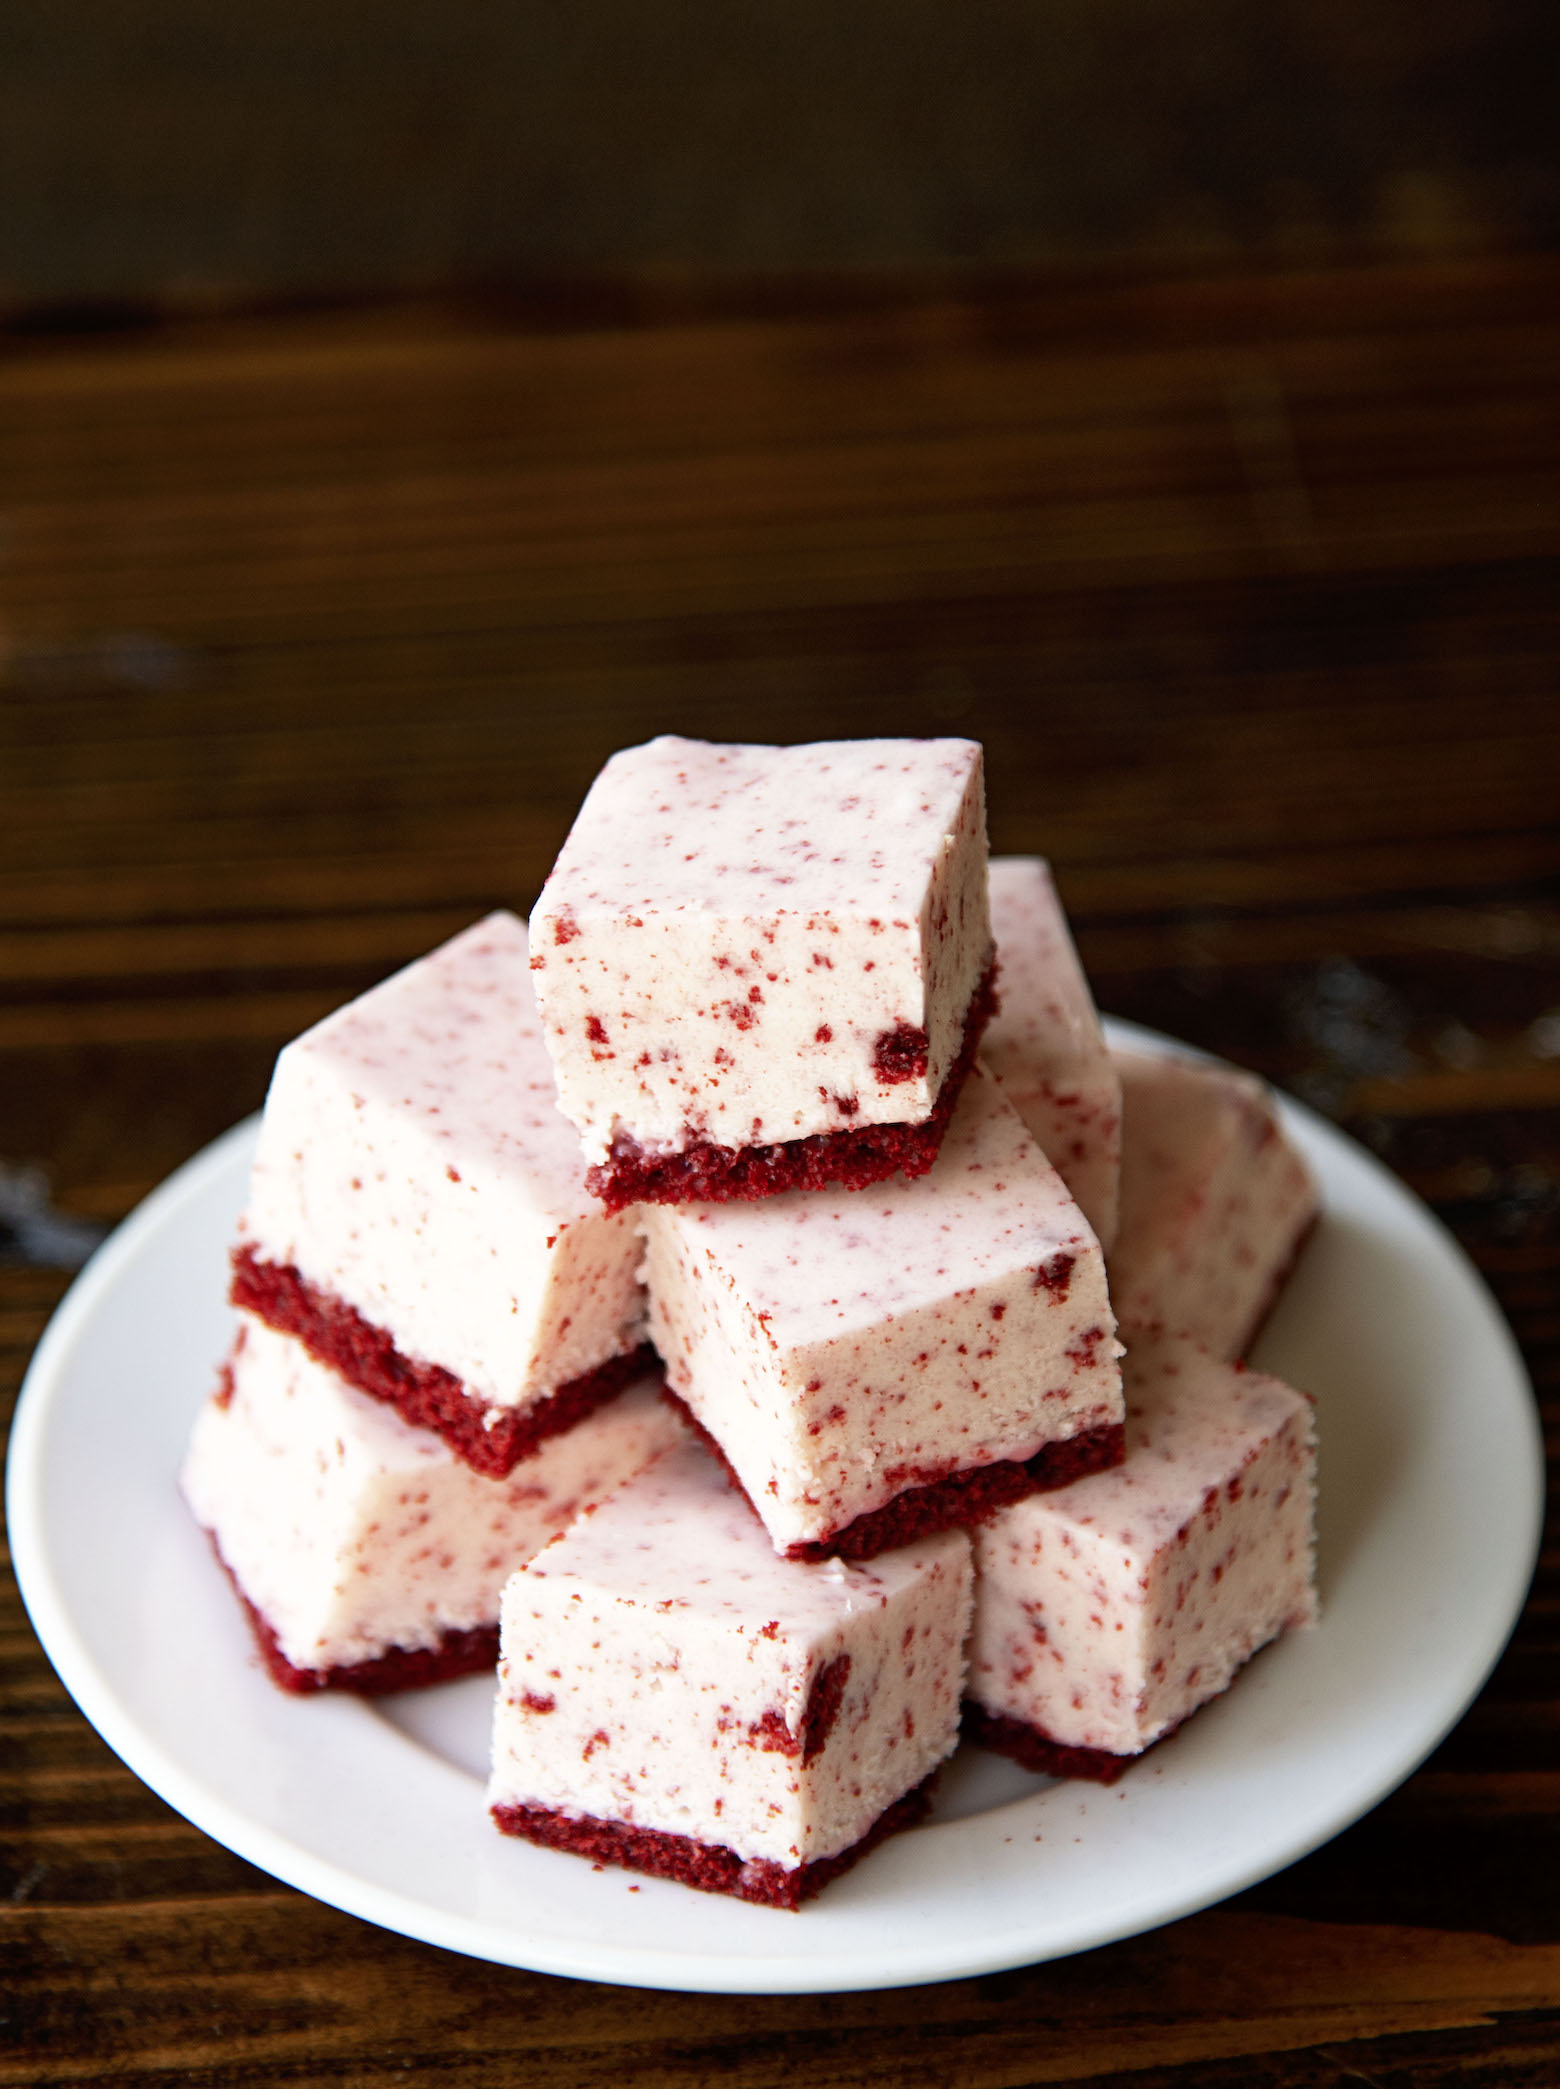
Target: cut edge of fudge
[
  {"x": 412, "y": 1165},
  {"x": 1047, "y": 1043},
  {"x": 708, "y": 1867},
  {"x": 952, "y": 1500},
  {"x": 1267, "y": 1305},
  {"x": 1173, "y": 1269},
  {"x": 744, "y": 945},
  {"x": 1262, "y": 1444},
  {"x": 649, "y": 1716},
  {"x": 491, "y": 1441},
  {"x": 367, "y": 1555},
  {"x": 705, "y": 1173},
  {"x": 900, "y": 1359},
  {"x": 459, "y": 1651}
]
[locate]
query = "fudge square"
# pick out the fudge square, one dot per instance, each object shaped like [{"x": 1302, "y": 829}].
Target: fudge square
[
  {"x": 675, "y": 1699},
  {"x": 1215, "y": 1202},
  {"x": 766, "y": 968},
  {"x": 367, "y": 1555},
  {"x": 1108, "y": 1612},
  {"x": 1046, "y": 1044},
  {"x": 876, "y": 1363},
  {"x": 418, "y": 1214}
]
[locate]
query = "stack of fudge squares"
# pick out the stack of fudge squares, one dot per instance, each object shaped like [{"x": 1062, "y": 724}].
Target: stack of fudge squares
[{"x": 708, "y": 1302}]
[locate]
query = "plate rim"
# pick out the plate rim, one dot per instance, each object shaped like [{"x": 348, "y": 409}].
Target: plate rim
[{"x": 647, "y": 1965}]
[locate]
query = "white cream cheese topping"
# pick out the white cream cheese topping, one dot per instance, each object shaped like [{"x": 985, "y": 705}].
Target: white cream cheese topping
[
  {"x": 1214, "y": 1201},
  {"x": 842, "y": 1345},
  {"x": 733, "y": 937},
  {"x": 353, "y": 1533},
  {"x": 659, "y": 1660},
  {"x": 1109, "y": 1610},
  {"x": 413, "y": 1162}
]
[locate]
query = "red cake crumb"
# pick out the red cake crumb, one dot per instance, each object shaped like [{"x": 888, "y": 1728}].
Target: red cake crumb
[
  {"x": 709, "y": 1867},
  {"x": 901, "y": 1054},
  {"x": 1055, "y": 1275},
  {"x": 426, "y": 1395},
  {"x": 823, "y": 1707},
  {"x": 1035, "y": 1750},
  {"x": 824, "y": 1699},
  {"x": 704, "y": 1173},
  {"x": 950, "y": 1499},
  {"x": 457, "y": 1653},
  {"x": 773, "y": 1736}
]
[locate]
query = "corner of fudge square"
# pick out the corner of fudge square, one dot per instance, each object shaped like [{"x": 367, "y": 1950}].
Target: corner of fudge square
[
  {"x": 1110, "y": 1611},
  {"x": 367, "y": 1556},
  {"x": 766, "y": 968},
  {"x": 418, "y": 1216},
  {"x": 675, "y": 1699},
  {"x": 876, "y": 1364}
]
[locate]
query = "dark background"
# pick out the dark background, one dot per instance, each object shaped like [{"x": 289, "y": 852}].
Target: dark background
[{"x": 187, "y": 150}]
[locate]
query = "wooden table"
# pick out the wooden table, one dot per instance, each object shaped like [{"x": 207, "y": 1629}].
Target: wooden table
[{"x": 313, "y": 628}]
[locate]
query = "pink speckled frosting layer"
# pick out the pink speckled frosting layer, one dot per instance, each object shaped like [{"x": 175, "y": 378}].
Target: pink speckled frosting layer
[
  {"x": 661, "y": 1667},
  {"x": 352, "y": 1533},
  {"x": 748, "y": 945},
  {"x": 845, "y": 1345},
  {"x": 413, "y": 1163},
  {"x": 1108, "y": 1611},
  {"x": 1215, "y": 1202},
  {"x": 1045, "y": 1042}
]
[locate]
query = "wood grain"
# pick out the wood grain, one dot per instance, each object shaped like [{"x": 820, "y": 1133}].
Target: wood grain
[{"x": 313, "y": 630}]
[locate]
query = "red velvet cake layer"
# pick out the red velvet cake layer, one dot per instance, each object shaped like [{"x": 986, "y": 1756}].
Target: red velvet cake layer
[
  {"x": 952, "y": 1500},
  {"x": 424, "y": 1394},
  {"x": 961, "y": 1498},
  {"x": 1036, "y": 1751},
  {"x": 704, "y": 1173},
  {"x": 460, "y": 1653},
  {"x": 707, "y": 1866}
]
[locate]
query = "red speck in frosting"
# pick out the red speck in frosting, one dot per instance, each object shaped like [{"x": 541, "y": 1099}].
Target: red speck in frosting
[
  {"x": 773, "y": 1735},
  {"x": 1083, "y": 1355},
  {"x": 900, "y": 1054},
  {"x": 1055, "y": 1275}
]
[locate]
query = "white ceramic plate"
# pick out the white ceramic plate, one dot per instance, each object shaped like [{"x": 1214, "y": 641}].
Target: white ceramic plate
[{"x": 1431, "y": 1501}]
